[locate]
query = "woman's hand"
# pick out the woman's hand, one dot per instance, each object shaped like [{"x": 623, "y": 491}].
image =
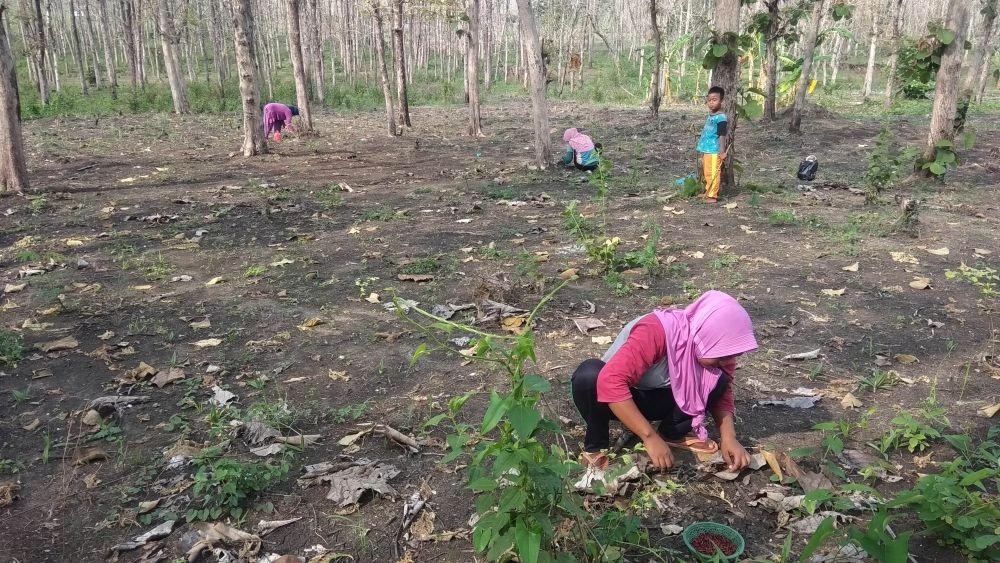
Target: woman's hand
[
  {"x": 735, "y": 454},
  {"x": 659, "y": 452}
]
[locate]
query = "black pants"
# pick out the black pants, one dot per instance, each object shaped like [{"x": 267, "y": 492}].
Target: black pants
[
  {"x": 655, "y": 404},
  {"x": 588, "y": 167}
]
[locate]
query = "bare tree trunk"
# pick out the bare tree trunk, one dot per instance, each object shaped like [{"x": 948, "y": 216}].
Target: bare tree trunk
[
  {"x": 472, "y": 68},
  {"x": 687, "y": 44},
  {"x": 399, "y": 54},
  {"x": 866, "y": 89},
  {"x": 982, "y": 47},
  {"x": 13, "y": 171},
  {"x": 895, "y": 7},
  {"x": 108, "y": 46},
  {"x": 654, "y": 84},
  {"x": 771, "y": 52},
  {"x": 727, "y": 75},
  {"x": 43, "y": 81},
  {"x": 985, "y": 71},
  {"x": 95, "y": 59},
  {"x": 128, "y": 26},
  {"x": 316, "y": 52},
  {"x": 536, "y": 70},
  {"x": 170, "y": 40},
  {"x": 298, "y": 68},
  {"x": 78, "y": 48},
  {"x": 383, "y": 69},
  {"x": 254, "y": 142},
  {"x": 808, "y": 50},
  {"x": 946, "y": 90}
]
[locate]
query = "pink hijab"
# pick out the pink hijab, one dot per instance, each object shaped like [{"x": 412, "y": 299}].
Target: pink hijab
[
  {"x": 714, "y": 326},
  {"x": 578, "y": 141}
]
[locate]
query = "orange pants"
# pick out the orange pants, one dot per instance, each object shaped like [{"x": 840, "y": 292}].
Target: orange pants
[{"x": 711, "y": 167}]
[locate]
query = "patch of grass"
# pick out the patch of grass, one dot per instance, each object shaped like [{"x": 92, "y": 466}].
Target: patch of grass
[
  {"x": 647, "y": 257},
  {"x": 277, "y": 413},
  {"x": 575, "y": 223},
  {"x": 156, "y": 269},
  {"x": 383, "y": 214},
  {"x": 421, "y": 266},
  {"x": 982, "y": 276},
  {"x": 330, "y": 197},
  {"x": 877, "y": 379},
  {"x": 724, "y": 261},
  {"x": 754, "y": 200},
  {"x": 11, "y": 466},
  {"x": 254, "y": 271},
  {"x": 28, "y": 256},
  {"x": 815, "y": 222},
  {"x": 529, "y": 265},
  {"x": 11, "y": 347},
  {"x": 350, "y": 413},
  {"x": 782, "y": 219},
  {"x": 502, "y": 193},
  {"x": 20, "y": 395},
  {"x": 39, "y": 205},
  {"x": 491, "y": 252}
]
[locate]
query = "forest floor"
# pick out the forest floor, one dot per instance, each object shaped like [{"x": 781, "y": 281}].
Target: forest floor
[{"x": 156, "y": 263}]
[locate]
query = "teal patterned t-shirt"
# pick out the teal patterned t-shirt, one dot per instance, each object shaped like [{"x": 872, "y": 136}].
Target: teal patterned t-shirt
[{"x": 715, "y": 126}]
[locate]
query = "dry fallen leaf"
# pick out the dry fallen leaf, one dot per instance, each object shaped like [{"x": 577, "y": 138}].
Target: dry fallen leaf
[
  {"x": 64, "y": 343},
  {"x": 587, "y": 324},
  {"x": 73, "y": 242},
  {"x": 338, "y": 375},
  {"x": 207, "y": 342},
  {"x": 205, "y": 323},
  {"x": 515, "y": 324},
  {"x": 920, "y": 283},
  {"x": 11, "y": 288},
  {"x": 850, "y": 401},
  {"x": 746, "y": 229},
  {"x": 834, "y": 292},
  {"x": 282, "y": 262},
  {"x": 904, "y": 257},
  {"x": 943, "y": 251},
  {"x": 106, "y": 335},
  {"x": 732, "y": 205},
  {"x": 142, "y": 287},
  {"x": 989, "y": 411},
  {"x": 169, "y": 376},
  {"x": 419, "y": 278},
  {"x": 602, "y": 340},
  {"x": 567, "y": 274},
  {"x": 772, "y": 462},
  {"x": 311, "y": 323},
  {"x": 373, "y": 298},
  {"x": 906, "y": 359},
  {"x": 851, "y": 267},
  {"x": 215, "y": 281}
]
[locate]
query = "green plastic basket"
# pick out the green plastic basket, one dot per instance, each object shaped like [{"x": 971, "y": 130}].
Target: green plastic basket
[{"x": 698, "y": 528}]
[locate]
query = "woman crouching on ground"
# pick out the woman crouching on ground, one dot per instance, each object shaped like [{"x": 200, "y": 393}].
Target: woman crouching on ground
[{"x": 671, "y": 366}]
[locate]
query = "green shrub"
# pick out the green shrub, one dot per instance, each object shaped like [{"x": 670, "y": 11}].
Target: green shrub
[
  {"x": 225, "y": 486},
  {"x": 11, "y": 347}
]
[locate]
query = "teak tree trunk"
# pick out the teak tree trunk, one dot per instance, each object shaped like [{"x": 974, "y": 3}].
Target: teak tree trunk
[
  {"x": 808, "y": 50},
  {"x": 536, "y": 72},
  {"x": 727, "y": 75},
  {"x": 399, "y": 56},
  {"x": 895, "y": 9},
  {"x": 771, "y": 62},
  {"x": 383, "y": 69},
  {"x": 108, "y": 46},
  {"x": 655, "y": 97},
  {"x": 43, "y": 81},
  {"x": 78, "y": 48},
  {"x": 983, "y": 48},
  {"x": 946, "y": 91},
  {"x": 13, "y": 171},
  {"x": 253, "y": 126},
  {"x": 169, "y": 41},
  {"x": 298, "y": 68},
  {"x": 869, "y": 83},
  {"x": 472, "y": 68},
  {"x": 128, "y": 27}
]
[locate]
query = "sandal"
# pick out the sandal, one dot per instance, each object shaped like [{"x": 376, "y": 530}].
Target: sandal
[
  {"x": 693, "y": 444},
  {"x": 595, "y": 460}
]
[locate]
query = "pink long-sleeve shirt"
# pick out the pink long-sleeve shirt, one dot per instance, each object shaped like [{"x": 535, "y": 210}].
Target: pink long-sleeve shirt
[
  {"x": 644, "y": 347},
  {"x": 274, "y": 114}
]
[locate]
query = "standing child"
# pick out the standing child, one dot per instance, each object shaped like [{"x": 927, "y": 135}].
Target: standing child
[
  {"x": 712, "y": 144},
  {"x": 581, "y": 151},
  {"x": 277, "y": 117}
]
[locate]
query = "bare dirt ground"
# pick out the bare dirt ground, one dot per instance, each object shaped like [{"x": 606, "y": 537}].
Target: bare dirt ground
[{"x": 145, "y": 201}]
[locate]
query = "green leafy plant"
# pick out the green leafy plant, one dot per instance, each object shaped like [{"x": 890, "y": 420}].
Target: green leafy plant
[
  {"x": 782, "y": 219},
  {"x": 878, "y": 542},
  {"x": 383, "y": 214},
  {"x": 10, "y": 466},
  {"x": 11, "y": 347},
  {"x": 20, "y": 395},
  {"x": 877, "y": 379},
  {"x": 226, "y": 486},
  {"x": 330, "y": 197},
  {"x": 914, "y": 430},
  {"x": 349, "y": 413},
  {"x": 421, "y": 266},
  {"x": 945, "y": 157},
  {"x": 884, "y": 167},
  {"x": 618, "y": 285},
  {"x": 254, "y": 271},
  {"x": 987, "y": 279},
  {"x": 575, "y": 223},
  {"x": 690, "y": 188}
]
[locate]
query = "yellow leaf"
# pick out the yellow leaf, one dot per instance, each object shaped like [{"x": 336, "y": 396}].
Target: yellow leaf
[
  {"x": 851, "y": 267},
  {"x": 338, "y": 375},
  {"x": 904, "y": 258},
  {"x": 567, "y": 274},
  {"x": 943, "y": 251},
  {"x": 515, "y": 324},
  {"x": 73, "y": 242},
  {"x": 834, "y": 292},
  {"x": 732, "y": 205},
  {"x": 920, "y": 283},
  {"x": 215, "y": 281},
  {"x": 373, "y": 298},
  {"x": 142, "y": 287},
  {"x": 850, "y": 401},
  {"x": 772, "y": 462},
  {"x": 311, "y": 323},
  {"x": 207, "y": 342},
  {"x": 906, "y": 359},
  {"x": 201, "y": 324},
  {"x": 990, "y": 410},
  {"x": 11, "y": 288},
  {"x": 602, "y": 340}
]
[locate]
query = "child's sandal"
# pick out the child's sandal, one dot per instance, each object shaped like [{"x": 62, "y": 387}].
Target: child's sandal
[{"x": 692, "y": 444}]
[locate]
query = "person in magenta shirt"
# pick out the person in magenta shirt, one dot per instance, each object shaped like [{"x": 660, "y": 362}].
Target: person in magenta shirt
[
  {"x": 277, "y": 117},
  {"x": 672, "y": 366}
]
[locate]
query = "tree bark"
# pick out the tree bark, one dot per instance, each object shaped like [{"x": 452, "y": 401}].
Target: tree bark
[
  {"x": 536, "y": 71},
  {"x": 43, "y": 81},
  {"x": 866, "y": 89},
  {"x": 78, "y": 48},
  {"x": 316, "y": 52},
  {"x": 383, "y": 69},
  {"x": 13, "y": 171},
  {"x": 128, "y": 27},
  {"x": 808, "y": 50},
  {"x": 982, "y": 47},
  {"x": 896, "y": 8},
  {"x": 399, "y": 55},
  {"x": 771, "y": 54},
  {"x": 108, "y": 46},
  {"x": 472, "y": 68},
  {"x": 654, "y": 86},
  {"x": 253, "y": 126},
  {"x": 169, "y": 41},
  {"x": 727, "y": 75},
  {"x": 946, "y": 89},
  {"x": 298, "y": 69}
]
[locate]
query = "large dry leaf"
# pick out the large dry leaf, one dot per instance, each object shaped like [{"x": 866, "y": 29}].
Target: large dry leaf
[
  {"x": 347, "y": 486},
  {"x": 373, "y": 298},
  {"x": 587, "y": 324},
  {"x": 311, "y": 323},
  {"x": 517, "y": 325},
  {"x": 772, "y": 462},
  {"x": 419, "y": 278},
  {"x": 851, "y": 267},
  {"x": 216, "y": 281},
  {"x": 808, "y": 480},
  {"x": 140, "y": 372},
  {"x": 834, "y": 292},
  {"x": 567, "y": 274},
  {"x": 64, "y": 343},
  {"x": 920, "y": 282},
  {"x": 850, "y": 401},
  {"x": 11, "y": 288},
  {"x": 904, "y": 257},
  {"x": 602, "y": 340},
  {"x": 207, "y": 342},
  {"x": 906, "y": 359},
  {"x": 169, "y": 376},
  {"x": 943, "y": 251},
  {"x": 202, "y": 324},
  {"x": 989, "y": 411},
  {"x": 810, "y": 355}
]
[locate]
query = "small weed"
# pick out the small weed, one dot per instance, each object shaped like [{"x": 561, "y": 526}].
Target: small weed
[
  {"x": 754, "y": 200},
  {"x": 421, "y": 266},
  {"x": 330, "y": 197},
  {"x": 39, "y": 205},
  {"x": 177, "y": 423},
  {"x": 502, "y": 193},
  {"x": 46, "y": 447},
  {"x": 690, "y": 187},
  {"x": 575, "y": 223},
  {"x": 275, "y": 414},
  {"x": 914, "y": 430},
  {"x": 529, "y": 265},
  {"x": 10, "y": 466},
  {"x": 11, "y": 347},
  {"x": 224, "y": 486},
  {"x": 158, "y": 269},
  {"x": 27, "y": 257},
  {"x": 618, "y": 285},
  {"x": 782, "y": 219},
  {"x": 109, "y": 432},
  {"x": 985, "y": 278},
  {"x": 259, "y": 382},
  {"x": 20, "y": 395},
  {"x": 877, "y": 379},
  {"x": 350, "y": 413},
  {"x": 647, "y": 257},
  {"x": 816, "y": 222},
  {"x": 383, "y": 214},
  {"x": 491, "y": 252},
  {"x": 723, "y": 262},
  {"x": 364, "y": 285},
  {"x": 254, "y": 272}
]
